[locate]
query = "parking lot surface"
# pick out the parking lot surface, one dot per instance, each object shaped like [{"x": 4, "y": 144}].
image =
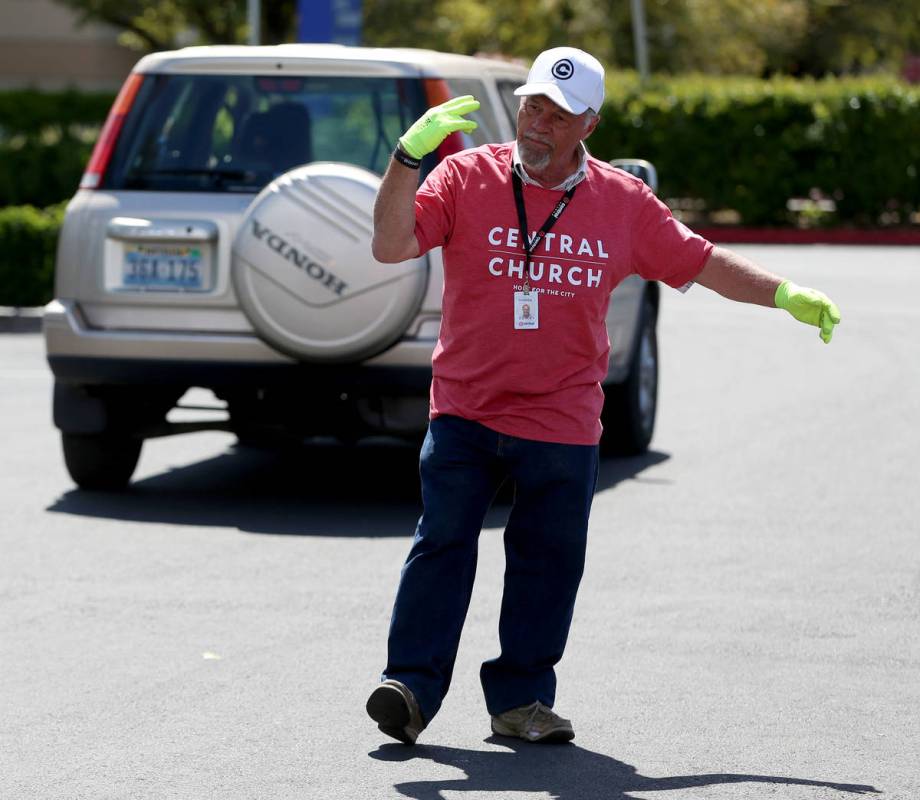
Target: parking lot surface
[{"x": 747, "y": 625}]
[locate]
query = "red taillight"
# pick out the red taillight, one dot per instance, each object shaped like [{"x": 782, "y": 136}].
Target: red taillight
[
  {"x": 105, "y": 144},
  {"x": 437, "y": 92}
]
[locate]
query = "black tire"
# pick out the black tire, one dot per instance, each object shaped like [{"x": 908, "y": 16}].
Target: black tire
[
  {"x": 101, "y": 462},
  {"x": 630, "y": 407}
]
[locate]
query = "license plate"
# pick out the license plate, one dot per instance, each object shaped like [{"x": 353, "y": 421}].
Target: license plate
[{"x": 171, "y": 268}]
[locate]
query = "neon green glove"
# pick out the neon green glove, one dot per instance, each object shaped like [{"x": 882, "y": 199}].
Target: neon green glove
[
  {"x": 437, "y": 123},
  {"x": 809, "y": 306}
]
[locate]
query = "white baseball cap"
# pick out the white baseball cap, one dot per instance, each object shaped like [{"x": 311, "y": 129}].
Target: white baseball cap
[{"x": 569, "y": 77}]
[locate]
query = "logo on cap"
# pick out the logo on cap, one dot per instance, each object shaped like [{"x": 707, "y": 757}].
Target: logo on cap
[{"x": 563, "y": 69}]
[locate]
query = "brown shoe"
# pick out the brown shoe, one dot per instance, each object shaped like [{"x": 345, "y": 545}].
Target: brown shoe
[
  {"x": 393, "y": 707},
  {"x": 533, "y": 723}
]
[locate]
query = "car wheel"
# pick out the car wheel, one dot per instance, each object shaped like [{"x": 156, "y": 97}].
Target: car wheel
[
  {"x": 630, "y": 407},
  {"x": 103, "y": 462}
]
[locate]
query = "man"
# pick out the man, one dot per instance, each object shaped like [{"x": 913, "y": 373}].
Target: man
[{"x": 515, "y": 393}]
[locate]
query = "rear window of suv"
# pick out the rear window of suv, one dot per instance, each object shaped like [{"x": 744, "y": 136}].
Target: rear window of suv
[{"x": 235, "y": 133}]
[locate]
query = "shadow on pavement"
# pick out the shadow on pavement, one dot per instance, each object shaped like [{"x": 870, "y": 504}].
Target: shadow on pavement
[
  {"x": 370, "y": 489},
  {"x": 564, "y": 772}
]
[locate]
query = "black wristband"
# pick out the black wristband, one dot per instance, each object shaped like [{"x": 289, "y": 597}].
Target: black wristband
[{"x": 405, "y": 159}]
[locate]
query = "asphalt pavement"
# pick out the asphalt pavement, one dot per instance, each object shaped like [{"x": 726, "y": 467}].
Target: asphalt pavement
[{"x": 747, "y": 625}]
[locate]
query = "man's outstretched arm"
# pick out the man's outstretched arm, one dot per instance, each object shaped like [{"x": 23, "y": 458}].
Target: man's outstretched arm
[{"x": 737, "y": 278}]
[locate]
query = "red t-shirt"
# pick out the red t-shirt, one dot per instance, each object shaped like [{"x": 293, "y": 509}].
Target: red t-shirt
[{"x": 541, "y": 384}]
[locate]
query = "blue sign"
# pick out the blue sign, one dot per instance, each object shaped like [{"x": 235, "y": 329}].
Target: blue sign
[{"x": 337, "y": 21}]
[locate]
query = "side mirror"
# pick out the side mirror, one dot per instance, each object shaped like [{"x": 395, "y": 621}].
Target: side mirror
[{"x": 643, "y": 170}]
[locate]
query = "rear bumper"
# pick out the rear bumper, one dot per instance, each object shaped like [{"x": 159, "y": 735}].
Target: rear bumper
[
  {"x": 360, "y": 378},
  {"x": 80, "y": 354}
]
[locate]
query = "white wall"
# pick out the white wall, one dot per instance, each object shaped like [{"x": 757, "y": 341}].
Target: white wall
[{"x": 41, "y": 45}]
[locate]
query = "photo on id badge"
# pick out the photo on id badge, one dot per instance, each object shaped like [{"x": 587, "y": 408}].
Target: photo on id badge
[{"x": 526, "y": 311}]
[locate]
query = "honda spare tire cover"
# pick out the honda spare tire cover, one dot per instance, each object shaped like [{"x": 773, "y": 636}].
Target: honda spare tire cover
[{"x": 304, "y": 273}]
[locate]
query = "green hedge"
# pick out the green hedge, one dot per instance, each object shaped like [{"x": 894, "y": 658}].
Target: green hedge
[
  {"x": 726, "y": 143},
  {"x": 45, "y": 142},
  {"x": 30, "y": 111},
  {"x": 750, "y": 145},
  {"x": 28, "y": 239}
]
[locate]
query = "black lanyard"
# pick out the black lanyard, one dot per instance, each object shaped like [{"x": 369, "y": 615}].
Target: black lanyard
[{"x": 530, "y": 246}]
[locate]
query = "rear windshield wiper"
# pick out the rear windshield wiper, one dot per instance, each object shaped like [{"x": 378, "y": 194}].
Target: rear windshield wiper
[
  {"x": 219, "y": 177},
  {"x": 238, "y": 174}
]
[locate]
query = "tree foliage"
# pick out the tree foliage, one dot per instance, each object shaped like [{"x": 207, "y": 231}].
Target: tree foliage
[
  {"x": 164, "y": 24},
  {"x": 713, "y": 36},
  {"x": 765, "y": 37}
]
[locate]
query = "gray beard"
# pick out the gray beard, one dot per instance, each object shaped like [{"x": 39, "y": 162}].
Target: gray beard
[{"x": 532, "y": 159}]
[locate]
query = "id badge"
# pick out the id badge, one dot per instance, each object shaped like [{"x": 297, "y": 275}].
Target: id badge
[{"x": 526, "y": 311}]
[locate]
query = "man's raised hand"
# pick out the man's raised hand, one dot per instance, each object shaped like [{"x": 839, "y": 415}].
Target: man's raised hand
[{"x": 437, "y": 123}]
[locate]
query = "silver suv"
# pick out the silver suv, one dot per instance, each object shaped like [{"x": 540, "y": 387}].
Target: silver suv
[{"x": 220, "y": 239}]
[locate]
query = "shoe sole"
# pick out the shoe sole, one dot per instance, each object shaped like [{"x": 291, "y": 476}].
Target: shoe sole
[
  {"x": 552, "y": 737},
  {"x": 389, "y": 709}
]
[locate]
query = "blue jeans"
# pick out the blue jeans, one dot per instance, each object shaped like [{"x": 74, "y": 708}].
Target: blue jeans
[{"x": 462, "y": 466}]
